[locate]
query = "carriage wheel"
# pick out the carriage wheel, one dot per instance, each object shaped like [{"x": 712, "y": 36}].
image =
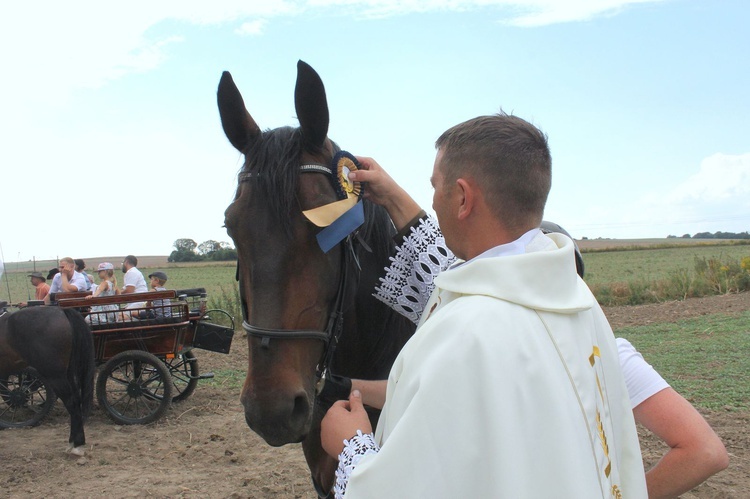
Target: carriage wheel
[
  {"x": 134, "y": 387},
  {"x": 25, "y": 399},
  {"x": 184, "y": 371}
]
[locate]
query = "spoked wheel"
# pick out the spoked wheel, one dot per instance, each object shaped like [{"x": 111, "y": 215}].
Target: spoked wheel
[
  {"x": 184, "y": 371},
  {"x": 25, "y": 399},
  {"x": 135, "y": 387}
]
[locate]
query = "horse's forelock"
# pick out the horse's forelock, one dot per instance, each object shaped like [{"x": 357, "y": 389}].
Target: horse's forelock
[{"x": 274, "y": 160}]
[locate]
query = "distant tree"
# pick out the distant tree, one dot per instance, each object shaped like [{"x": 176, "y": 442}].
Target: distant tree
[
  {"x": 184, "y": 251},
  {"x": 185, "y": 245},
  {"x": 206, "y": 248},
  {"x": 671, "y": 237},
  {"x": 686, "y": 236}
]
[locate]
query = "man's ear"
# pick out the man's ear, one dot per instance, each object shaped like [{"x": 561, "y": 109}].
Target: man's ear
[{"x": 467, "y": 197}]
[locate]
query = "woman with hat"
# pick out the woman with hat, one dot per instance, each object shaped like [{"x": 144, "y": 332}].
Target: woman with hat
[
  {"x": 40, "y": 285},
  {"x": 101, "y": 314}
]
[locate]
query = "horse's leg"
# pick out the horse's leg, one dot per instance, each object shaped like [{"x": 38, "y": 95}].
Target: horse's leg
[{"x": 72, "y": 399}]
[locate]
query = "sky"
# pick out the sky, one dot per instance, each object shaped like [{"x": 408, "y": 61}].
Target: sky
[{"x": 111, "y": 144}]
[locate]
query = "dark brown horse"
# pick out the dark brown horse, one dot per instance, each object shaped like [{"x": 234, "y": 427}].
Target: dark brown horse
[
  {"x": 58, "y": 344},
  {"x": 306, "y": 311}
]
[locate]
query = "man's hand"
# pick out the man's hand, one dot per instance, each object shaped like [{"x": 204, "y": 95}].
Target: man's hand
[
  {"x": 383, "y": 190},
  {"x": 341, "y": 422},
  {"x": 66, "y": 271}
]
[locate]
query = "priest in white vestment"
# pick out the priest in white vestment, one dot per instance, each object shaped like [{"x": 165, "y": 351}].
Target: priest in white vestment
[{"x": 511, "y": 386}]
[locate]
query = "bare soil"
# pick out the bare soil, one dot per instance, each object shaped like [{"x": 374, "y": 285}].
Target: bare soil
[{"x": 203, "y": 448}]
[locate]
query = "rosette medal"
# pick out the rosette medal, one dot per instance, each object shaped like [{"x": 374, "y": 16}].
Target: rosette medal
[{"x": 341, "y": 217}]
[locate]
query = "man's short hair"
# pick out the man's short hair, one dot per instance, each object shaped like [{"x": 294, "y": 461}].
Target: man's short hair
[
  {"x": 132, "y": 260},
  {"x": 67, "y": 260},
  {"x": 509, "y": 158}
]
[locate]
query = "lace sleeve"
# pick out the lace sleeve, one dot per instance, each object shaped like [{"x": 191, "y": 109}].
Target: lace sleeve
[
  {"x": 354, "y": 450},
  {"x": 407, "y": 283}
]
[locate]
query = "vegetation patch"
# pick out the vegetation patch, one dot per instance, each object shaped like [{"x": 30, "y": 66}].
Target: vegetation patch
[{"x": 705, "y": 359}]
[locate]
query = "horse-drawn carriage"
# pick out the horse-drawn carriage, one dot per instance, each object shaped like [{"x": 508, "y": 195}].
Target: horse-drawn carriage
[{"x": 143, "y": 346}]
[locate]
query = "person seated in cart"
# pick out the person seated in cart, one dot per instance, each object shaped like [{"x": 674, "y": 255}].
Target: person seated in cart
[
  {"x": 156, "y": 309},
  {"x": 101, "y": 314},
  {"x": 41, "y": 288},
  {"x": 67, "y": 280}
]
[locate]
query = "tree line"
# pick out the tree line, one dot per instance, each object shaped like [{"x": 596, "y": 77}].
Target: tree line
[
  {"x": 187, "y": 250},
  {"x": 716, "y": 235}
]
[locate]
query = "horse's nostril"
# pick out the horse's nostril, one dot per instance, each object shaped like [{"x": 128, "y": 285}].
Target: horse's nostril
[{"x": 301, "y": 409}]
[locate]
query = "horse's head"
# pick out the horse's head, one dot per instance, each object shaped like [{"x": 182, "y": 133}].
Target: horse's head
[{"x": 288, "y": 284}]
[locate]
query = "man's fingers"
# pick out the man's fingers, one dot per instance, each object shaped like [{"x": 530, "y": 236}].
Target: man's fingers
[
  {"x": 361, "y": 175},
  {"x": 341, "y": 404},
  {"x": 355, "y": 401}
]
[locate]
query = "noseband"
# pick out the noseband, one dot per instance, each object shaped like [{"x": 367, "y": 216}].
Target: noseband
[{"x": 335, "y": 325}]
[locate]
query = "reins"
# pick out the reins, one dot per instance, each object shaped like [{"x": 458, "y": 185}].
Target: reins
[{"x": 335, "y": 325}]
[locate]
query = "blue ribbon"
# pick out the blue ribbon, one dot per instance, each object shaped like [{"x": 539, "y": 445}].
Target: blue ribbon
[{"x": 341, "y": 227}]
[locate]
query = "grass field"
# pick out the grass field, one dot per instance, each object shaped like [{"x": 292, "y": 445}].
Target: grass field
[
  {"x": 705, "y": 359},
  {"x": 609, "y": 267}
]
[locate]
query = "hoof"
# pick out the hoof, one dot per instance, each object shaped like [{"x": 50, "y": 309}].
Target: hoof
[{"x": 77, "y": 451}]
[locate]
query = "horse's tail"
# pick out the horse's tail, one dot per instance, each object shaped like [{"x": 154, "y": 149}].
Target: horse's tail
[{"x": 82, "y": 363}]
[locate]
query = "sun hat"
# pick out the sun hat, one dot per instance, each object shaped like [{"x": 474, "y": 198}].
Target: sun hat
[
  {"x": 105, "y": 266},
  {"x": 52, "y": 273},
  {"x": 37, "y": 275}
]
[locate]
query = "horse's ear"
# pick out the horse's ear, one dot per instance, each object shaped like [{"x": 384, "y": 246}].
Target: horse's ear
[
  {"x": 312, "y": 107},
  {"x": 239, "y": 127}
]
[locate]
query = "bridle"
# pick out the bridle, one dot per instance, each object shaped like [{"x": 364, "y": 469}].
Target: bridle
[{"x": 335, "y": 324}]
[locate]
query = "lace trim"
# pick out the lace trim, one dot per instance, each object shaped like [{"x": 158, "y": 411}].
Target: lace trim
[
  {"x": 355, "y": 449},
  {"x": 408, "y": 282}
]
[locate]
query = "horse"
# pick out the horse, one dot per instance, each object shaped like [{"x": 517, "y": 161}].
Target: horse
[
  {"x": 308, "y": 311},
  {"x": 59, "y": 345}
]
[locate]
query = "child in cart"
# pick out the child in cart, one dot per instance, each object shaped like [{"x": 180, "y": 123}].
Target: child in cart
[
  {"x": 101, "y": 314},
  {"x": 157, "y": 309}
]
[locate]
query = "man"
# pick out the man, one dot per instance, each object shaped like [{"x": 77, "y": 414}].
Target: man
[
  {"x": 81, "y": 269},
  {"x": 41, "y": 288},
  {"x": 511, "y": 386},
  {"x": 67, "y": 280},
  {"x": 133, "y": 280}
]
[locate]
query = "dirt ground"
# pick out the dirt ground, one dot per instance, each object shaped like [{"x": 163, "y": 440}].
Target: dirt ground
[{"x": 203, "y": 448}]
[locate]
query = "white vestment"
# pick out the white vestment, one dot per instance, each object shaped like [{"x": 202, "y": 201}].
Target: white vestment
[{"x": 509, "y": 388}]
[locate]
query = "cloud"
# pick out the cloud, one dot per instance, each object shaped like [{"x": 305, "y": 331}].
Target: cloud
[
  {"x": 524, "y": 13},
  {"x": 251, "y": 28},
  {"x": 721, "y": 177}
]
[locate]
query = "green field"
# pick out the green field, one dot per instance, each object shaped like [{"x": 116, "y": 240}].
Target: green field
[
  {"x": 609, "y": 267},
  {"x": 707, "y": 359}
]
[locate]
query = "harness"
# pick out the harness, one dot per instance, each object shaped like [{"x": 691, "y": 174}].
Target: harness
[{"x": 335, "y": 325}]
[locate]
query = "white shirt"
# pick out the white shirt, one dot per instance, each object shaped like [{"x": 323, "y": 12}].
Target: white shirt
[
  {"x": 133, "y": 277},
  {"x": 77, "y": 280},
  {"x": 641, "y": 379}
]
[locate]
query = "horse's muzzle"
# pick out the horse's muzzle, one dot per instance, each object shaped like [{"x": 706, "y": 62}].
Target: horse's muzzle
[{"x": 280, "y": 421}]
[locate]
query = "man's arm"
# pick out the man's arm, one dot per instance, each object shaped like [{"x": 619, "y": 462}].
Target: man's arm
[
  {"x": 695, "y": 453},
  {"x": 66, "y": 284},
  {"x": 373, "y": 391}
]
